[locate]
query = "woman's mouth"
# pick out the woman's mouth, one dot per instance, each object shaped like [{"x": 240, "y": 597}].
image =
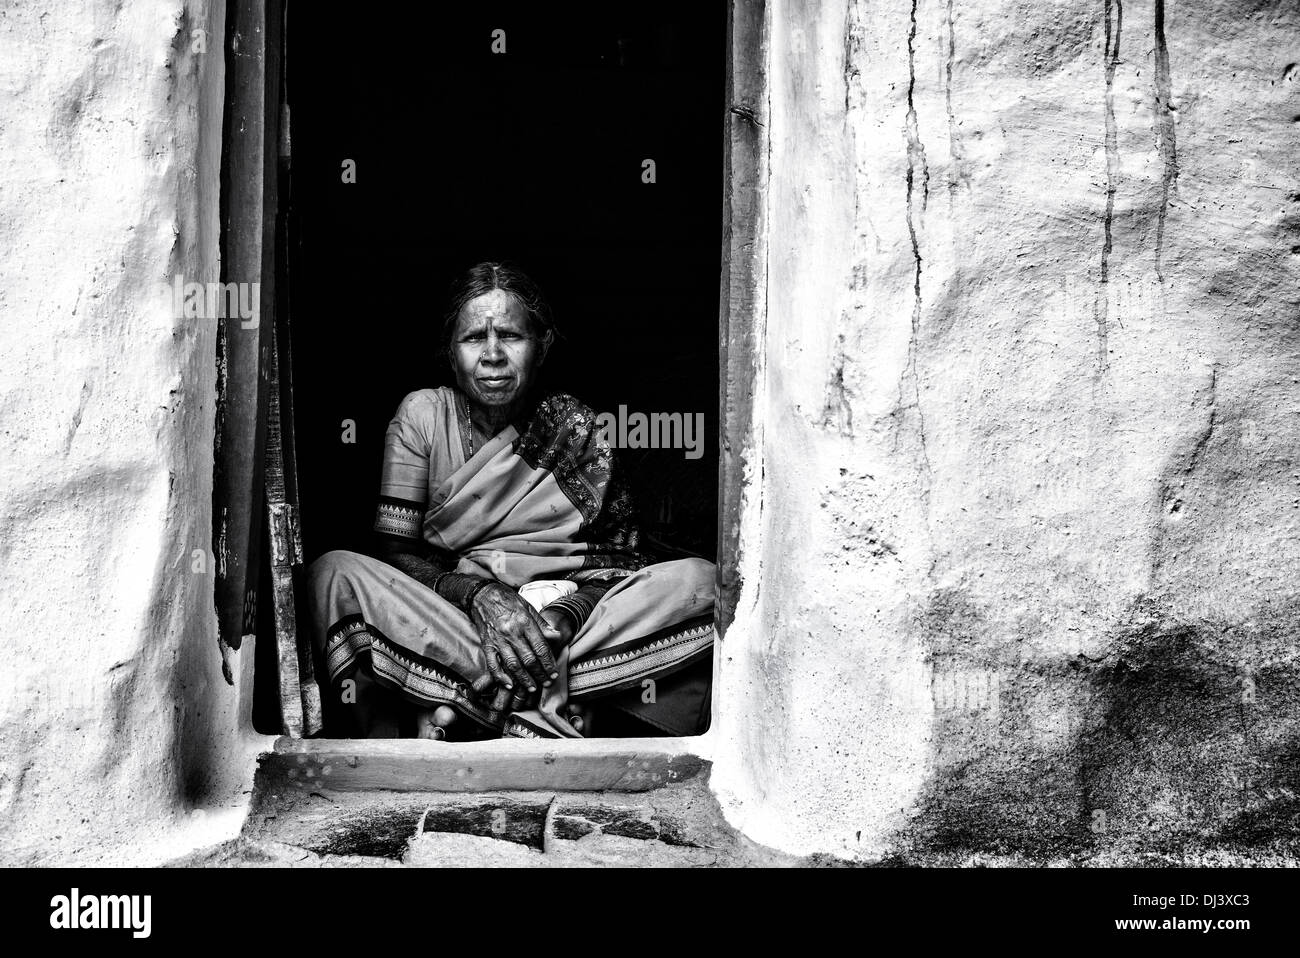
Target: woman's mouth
[{"x": 495, "y": 382}]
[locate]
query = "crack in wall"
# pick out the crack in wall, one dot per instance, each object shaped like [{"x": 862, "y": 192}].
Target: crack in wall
[
  {"x": 954, "y": 153},
  {"x": 1113, "y": 12},
  {"x": 915, "y": 156},
  {"x": 77, "y": 416},
  {"x": 915, "y": 148},
  {"x": 851, "y": 73},
  {"x": 837, "y": 412},
  {"x": 1166, "y": 141}
]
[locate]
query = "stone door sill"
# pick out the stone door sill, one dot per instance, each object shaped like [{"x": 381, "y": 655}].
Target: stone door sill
[{"x": 411, "y": 765}]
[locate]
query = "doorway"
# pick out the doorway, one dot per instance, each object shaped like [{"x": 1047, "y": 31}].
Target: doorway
[{"x": 585, "y": 146}]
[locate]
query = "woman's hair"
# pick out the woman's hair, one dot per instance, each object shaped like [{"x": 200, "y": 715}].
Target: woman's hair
[{"x": 486, "y": 277}]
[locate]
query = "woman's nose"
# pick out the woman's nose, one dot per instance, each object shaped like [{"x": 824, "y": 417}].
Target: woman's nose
[{"x": 492, "y": 351}]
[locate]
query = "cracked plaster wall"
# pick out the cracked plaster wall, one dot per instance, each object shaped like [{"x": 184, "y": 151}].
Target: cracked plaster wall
[
  {"x": 119, "y": 740},
  {"x": 1022, "y": 563}
]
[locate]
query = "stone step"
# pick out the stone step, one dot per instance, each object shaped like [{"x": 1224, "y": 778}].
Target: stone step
[
  {"x": 540, "y": 804},
  {"x": 675, "y": 825}
]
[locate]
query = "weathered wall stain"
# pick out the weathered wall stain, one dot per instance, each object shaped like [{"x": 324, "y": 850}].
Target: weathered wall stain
[
  {"x": 1166, "y": 138},
  {"x": 1171, "y": 497},
  {"x": 838, "y": 411},
  {"x": 1004, "y": 751},
  {"x": 955, "y": 173},
  {"x": 1192, "y": 733},
  {"x": 1174, "y": 743},
  {"x": 1113, "y": 18}
]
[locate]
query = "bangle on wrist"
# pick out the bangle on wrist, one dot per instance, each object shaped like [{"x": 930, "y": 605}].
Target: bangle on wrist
[
  {"x": 479, "y": 587},
  {"x": 459, "y": 589},
  {"x": 573, "y": 607},
  {"x": 567, "y": 614}
]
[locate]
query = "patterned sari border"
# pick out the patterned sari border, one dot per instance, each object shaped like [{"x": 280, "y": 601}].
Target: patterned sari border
[
  {"x": 656, "y": 654},
  {"x": 414, "y": 677},
  {"x": 399, "y": 517},
  {"x": 516, "y": 727}
]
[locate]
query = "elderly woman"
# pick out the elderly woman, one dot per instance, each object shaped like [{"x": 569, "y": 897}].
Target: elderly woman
[{"x": 509, "y": 590}]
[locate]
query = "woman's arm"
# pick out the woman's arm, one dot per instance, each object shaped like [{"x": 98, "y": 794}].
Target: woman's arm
[
  {"x": 404, "y": 556},
  {"x": 434, "y": 572}
]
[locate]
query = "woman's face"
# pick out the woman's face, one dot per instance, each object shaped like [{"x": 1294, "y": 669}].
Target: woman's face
[{"x": 494, "y": 352}]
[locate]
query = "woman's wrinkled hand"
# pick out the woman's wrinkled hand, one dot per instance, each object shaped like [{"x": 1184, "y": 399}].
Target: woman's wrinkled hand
[{"x": 513, "y": 640}]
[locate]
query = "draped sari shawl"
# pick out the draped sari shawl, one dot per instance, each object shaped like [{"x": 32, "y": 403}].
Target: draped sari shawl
[{"x": 543, "y": 499}]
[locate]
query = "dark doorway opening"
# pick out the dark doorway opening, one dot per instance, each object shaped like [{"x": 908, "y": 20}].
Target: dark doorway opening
[{"x": 536, "y": 156}]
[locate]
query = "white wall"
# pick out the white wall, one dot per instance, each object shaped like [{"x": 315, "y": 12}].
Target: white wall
[
  {"x": 119, "y": 739},
  {"x": 1027, "y": 541}
]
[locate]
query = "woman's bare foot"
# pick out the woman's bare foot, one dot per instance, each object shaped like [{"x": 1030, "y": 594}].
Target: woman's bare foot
[
  {"x": 580, "y": 719},
  {"x": 433, "y": 723}
]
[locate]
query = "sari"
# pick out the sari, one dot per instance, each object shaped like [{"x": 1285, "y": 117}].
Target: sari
[{"x": 542, "y": 508}]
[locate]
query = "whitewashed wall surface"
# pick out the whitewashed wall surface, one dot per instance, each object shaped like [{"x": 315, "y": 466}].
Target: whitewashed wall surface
[{"x": 1022, "y": 566}]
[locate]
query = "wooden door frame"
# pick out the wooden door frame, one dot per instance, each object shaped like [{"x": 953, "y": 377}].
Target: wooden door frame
[{"x": 249, "y": 206}]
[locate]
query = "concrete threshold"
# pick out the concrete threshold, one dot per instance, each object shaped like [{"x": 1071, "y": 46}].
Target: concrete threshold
[{"x": 497, "y": 803}]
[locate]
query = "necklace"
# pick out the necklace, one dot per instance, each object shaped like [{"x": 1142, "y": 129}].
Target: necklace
[{"x": 467, "y": 429}]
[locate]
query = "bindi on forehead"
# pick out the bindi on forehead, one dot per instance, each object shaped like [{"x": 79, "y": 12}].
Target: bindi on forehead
[{"x": 497, "y": 309}]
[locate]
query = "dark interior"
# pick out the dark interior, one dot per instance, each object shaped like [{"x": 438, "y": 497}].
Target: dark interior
[{"x": 533, "y": 156}]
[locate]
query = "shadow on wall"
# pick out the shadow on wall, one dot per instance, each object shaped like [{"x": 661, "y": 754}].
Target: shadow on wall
[{"x": 1183, "y": 740}]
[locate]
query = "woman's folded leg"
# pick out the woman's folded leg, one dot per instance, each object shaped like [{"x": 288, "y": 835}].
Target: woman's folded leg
[
  {"x": 374, "y": 620},
  {"x": 653, "y": 625}
]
